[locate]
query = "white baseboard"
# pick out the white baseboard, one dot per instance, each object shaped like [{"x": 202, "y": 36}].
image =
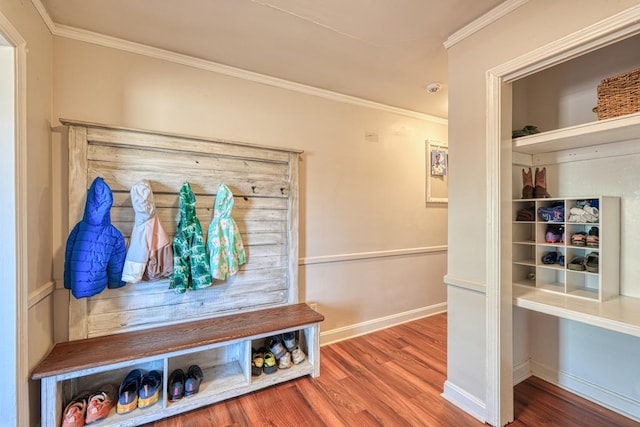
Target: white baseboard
[
  {"x": 352, "y": 331},
  {"x": 521, "y": 372},
  {"x": 610, "y": 399},
  {"x": 465, "y": 401}
]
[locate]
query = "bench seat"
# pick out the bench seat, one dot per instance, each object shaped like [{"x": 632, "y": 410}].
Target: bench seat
[{"x": 222, "y": 344}]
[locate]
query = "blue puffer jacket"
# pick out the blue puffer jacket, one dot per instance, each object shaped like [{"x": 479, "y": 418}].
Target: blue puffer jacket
[{"x": 95, "y": 250}]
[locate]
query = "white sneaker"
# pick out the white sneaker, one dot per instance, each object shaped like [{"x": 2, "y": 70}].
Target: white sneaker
[
  {"x": 298, "y": 355},
  {"x": 285, "y": 361}
]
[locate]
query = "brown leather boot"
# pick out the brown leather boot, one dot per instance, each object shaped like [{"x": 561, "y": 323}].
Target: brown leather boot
[
  {"x": 540, "y": 191},
  {"x": 527, "y": 184}
]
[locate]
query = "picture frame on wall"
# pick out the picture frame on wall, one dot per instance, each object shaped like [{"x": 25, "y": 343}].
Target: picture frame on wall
[{"x": 437, "y": 171}]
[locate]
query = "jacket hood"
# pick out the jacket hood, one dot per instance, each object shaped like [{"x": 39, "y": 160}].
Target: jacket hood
[
  {"x": 99, "y": 202},
  {"x": 224, "y": 202},
  {"x": 187, "y": 203},
  {"x": 142, "y": 201}
]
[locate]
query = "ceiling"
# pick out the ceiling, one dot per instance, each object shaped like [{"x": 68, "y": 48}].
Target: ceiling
[{"x": 385, "y": 51}]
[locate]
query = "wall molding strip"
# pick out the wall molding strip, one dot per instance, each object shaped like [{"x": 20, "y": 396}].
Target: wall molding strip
[
  {"x": 166, "y": 55},
  {"x": 370, "y": 255},
  {"x": 41, "y": 293},
  {"x": 358, "y": 329},
  {"x": 586, "y": 389},
  {"x": 462, "y": 283},
  {"x": 484, "y": 21},
  {"x": 465, "y": 401}
]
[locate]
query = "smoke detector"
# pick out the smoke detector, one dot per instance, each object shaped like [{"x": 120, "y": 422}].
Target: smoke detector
[{"x": 434, "y": 87}]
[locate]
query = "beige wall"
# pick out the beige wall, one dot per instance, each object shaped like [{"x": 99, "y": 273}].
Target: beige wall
[
  {"x": 532, "y": 25},
  {"x": 356, "y": 196}
]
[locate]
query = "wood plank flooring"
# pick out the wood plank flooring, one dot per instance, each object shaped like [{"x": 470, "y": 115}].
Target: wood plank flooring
[{"x": 392, "y": 377}]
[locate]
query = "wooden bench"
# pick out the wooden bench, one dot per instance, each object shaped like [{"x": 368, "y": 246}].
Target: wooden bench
[{"x": 221, "y": 346}]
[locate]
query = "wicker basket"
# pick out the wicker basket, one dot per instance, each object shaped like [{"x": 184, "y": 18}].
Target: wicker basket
[{"x": 619, "y": 95}]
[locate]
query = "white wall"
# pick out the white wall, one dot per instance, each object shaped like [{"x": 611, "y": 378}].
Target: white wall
[
  {"x": 531, "y": 26},
  {"x": 35, "y": 270},
  {"x": 363, "y": 211}
]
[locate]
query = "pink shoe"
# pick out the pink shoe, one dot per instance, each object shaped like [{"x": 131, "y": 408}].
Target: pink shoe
[{"x": 75, "y": 411}]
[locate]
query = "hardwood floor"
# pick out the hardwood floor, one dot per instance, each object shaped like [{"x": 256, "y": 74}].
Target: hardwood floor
[{"x": 392, "y": 377}]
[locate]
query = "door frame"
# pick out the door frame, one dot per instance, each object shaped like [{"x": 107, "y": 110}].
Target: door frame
[{"x": 15, "y": 253}]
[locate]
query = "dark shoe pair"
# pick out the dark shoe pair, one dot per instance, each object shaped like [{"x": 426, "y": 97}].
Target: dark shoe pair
[{"x": 185, "y": 385}]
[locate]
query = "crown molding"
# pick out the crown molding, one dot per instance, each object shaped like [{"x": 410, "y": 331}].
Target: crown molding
[
  {"x": 484, "y": 21},
  {"x": 44, "y": 15},
  {"x": 190, "y": 61}
]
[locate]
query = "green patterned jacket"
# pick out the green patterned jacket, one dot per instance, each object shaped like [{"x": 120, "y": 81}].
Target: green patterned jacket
[{"x": 190, "y": 258}]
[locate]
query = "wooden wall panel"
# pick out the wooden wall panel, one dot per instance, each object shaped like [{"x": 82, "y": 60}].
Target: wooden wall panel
[{"x": 264, "y": 183}]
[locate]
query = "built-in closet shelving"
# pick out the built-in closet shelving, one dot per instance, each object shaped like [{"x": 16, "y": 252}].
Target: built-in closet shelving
[{"x": 561, "y": 135}]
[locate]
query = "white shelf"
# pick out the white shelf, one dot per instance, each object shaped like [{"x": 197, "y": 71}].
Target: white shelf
[
  {"x": 620, "y": 314},
  {"x": 616, "y": 129},
  {"x": 530, "y": 247}
]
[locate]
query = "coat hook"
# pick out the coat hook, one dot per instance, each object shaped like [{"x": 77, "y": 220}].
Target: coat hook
[
  {"x": 282, "y": 190},
  {"x": 253, "y": 188}
]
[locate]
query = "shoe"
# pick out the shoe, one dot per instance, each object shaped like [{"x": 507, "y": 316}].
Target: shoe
[
  {"x": 579, "y": 238},
  {"x": 74, "y": 413},
  {"x": 527, "y": 184},
  {"x": 290, "y": 340},
  {"x": 149, "y": 389},
  {"x": 554, "y": 234},
  {"x": 176, "y": 385},
  {"x": 270, "y": 366},
  {"x": 551, "y": 213},
  {"x": 540, "y": 189},
  {"x": 527, "y": 130},
  {"x": 298, "y": 356},
  {"x": 576, "y": 263},
  {"x": 593, "y": 240},
  {"x": 100, "y": 403},
  {"x": 550, "y": 258},
  {"x": 257, "y": 361},
  {"x": 275, "y": 345},
  {"x": 128, "y": 392},
  {"x": 560, "y": 260},
  {"x": 526, "y": 214},
  {"x": 194, "y": 378},
  {"x": 285, "y": 361},
  {"x": 591, "y": 262}
]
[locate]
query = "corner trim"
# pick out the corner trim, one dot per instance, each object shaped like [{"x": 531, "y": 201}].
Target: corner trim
[
  {"x": 190, "y": 61},
  {"x": 363, "y": 328},
  {"x": 465, "y": 401},
  {"x": 482, "y": 22}
]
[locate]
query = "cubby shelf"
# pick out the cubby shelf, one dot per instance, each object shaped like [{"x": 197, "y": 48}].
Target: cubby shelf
[{"x": 530, "y": 245}]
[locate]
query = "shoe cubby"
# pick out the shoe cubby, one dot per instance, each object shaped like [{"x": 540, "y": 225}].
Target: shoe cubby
[
  {"x": 562, "y": 230},
  {"x": 220, "y": 347},
  {"x": 223, "y": 367},
  {"x": 97, "y": 378},
  {"x": 304, "y": 342}
]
